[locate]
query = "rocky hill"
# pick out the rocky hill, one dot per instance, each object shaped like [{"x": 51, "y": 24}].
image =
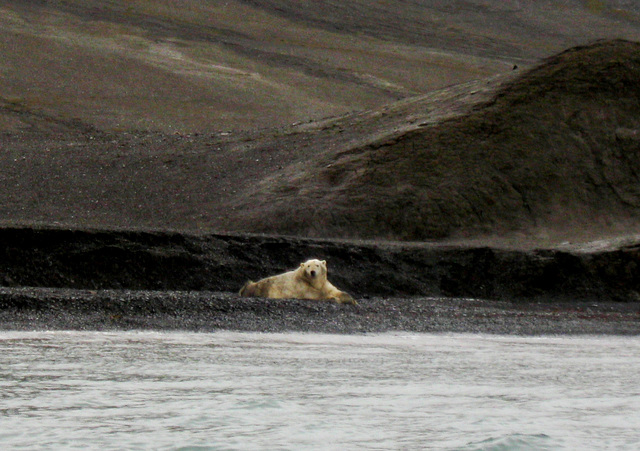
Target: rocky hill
[
  {"x": 546, "y": 154},
  {"x": 556, "y": 149}
]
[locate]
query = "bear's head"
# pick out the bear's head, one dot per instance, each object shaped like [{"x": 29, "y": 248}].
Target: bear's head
[{"x": 315, "y": 271}]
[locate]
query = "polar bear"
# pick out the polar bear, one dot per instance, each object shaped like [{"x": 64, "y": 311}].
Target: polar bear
[{"x": 309, "y": 281}]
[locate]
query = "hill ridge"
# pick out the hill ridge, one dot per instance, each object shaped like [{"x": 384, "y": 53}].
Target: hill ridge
[{"x": 555, "y": 148}]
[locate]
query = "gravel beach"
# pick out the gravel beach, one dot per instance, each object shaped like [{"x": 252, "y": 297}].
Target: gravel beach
[
  {"x": 125, "y": 280},
  {"x": 65, "y": 309}
]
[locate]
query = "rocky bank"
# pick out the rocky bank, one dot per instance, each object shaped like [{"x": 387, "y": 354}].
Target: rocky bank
[{"x": 83, "y": 279}]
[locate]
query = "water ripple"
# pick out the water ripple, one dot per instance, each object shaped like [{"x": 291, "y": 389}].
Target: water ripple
[{"x": 131, "y": 390}]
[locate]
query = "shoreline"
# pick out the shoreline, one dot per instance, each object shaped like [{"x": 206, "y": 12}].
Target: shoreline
[
  {"x": 155, "y": 280},
  {"x": 597, "y": 271},
  {"x": 28, "y": 309}
]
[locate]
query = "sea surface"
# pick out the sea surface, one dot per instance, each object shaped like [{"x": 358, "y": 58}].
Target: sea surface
[{"x": 251, "y": 391}]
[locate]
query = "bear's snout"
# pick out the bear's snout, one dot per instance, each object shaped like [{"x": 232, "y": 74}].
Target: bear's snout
[{"x": 313, "y": 273}]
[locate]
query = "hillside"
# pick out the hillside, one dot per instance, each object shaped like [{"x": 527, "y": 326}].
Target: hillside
[
  {"x": 239, "y": 117},
  {"x": 202, "y": 67},
  {"x": 555, "y": 151}
]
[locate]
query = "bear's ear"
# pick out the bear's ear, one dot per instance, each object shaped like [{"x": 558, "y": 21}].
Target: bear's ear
[
  {"x": 324, "y": 263},
  {"x": 302, "y": 265}
]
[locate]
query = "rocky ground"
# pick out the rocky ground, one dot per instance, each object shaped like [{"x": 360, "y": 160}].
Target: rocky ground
[{"x": 65, "y": 309}]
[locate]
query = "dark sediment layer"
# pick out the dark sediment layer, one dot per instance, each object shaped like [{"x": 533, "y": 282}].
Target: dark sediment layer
[{"x": 158, "y": 280}]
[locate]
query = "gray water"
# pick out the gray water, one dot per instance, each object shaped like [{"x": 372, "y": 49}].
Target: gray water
[{"x": 130, "y": 390}]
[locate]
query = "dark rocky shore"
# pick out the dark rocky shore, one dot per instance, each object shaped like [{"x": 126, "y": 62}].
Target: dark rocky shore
[
  {"x": 100, "y": 310},
  {"x": 106, "y": 280}
]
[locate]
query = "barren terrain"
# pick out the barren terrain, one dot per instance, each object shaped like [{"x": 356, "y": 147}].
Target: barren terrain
[{"x": 481, "y": 149}]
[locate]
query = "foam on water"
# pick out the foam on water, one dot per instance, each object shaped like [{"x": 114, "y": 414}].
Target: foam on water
[{"x": 130, "y": 390}]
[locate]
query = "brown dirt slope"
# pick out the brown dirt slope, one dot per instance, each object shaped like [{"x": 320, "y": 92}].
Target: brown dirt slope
[
  {"x": 194, "y": 66},
  {"x": 548, "y": 154},
  {"x": 199, "y": 66},
  {"x": 556, "y": 149}
]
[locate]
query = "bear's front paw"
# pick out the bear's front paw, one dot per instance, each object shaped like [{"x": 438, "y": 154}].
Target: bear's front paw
[{"x": 344, "y": 298}]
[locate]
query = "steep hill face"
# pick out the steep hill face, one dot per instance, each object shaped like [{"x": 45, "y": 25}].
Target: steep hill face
[{"x": 556, "y": 149}]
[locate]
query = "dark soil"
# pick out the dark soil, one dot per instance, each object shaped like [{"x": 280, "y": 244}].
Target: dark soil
[{"x": 177, "y": 261}]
